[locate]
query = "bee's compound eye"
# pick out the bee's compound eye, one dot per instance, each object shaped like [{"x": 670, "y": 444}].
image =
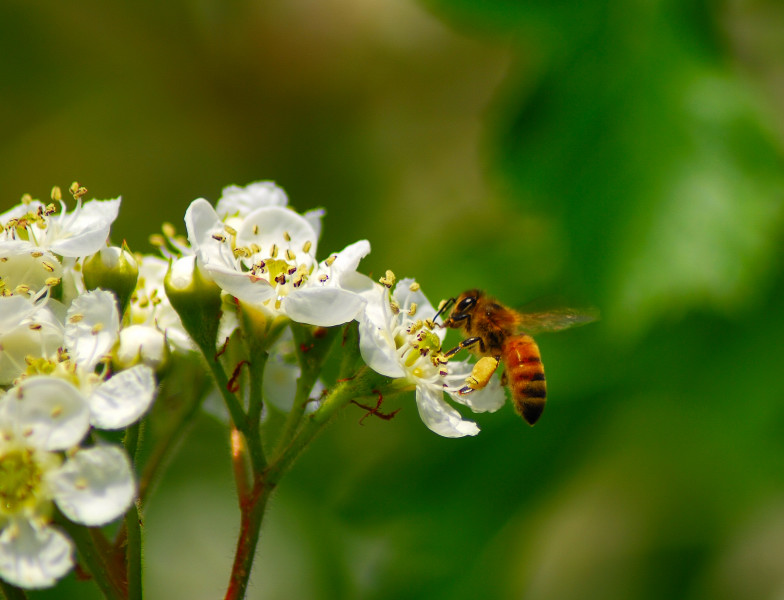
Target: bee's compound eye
[{"x": 465, "y": 304}]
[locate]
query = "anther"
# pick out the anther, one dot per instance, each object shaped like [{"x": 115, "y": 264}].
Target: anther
[
  {"x": 323, "y": 278},
  {"x": 414, "y": 287},
  {"x": 388, "y": 280},
  {"x": 97, "y": 328},
  {"x": 290, "y": 255},
  {"x": 77, "y": 191},
  {"x": 36, "y": 254},
  {"x": 57, "y": 193},
  {"x": 412, "y": 309},
  {"x": 255, "y": 229},
  {"x": 330, "y": 260},
  {"x": 274, "y": 251},
  {"x": 168, "y": 230},
  {"x": 286, "y": 236},
  {"x": 230, "y": 230},
  {"x": 306, "y": 246},
  {"x": 47, "y": 266},
  {"x": 219, "y": 237},
  {"x": 51, "y": 281}
]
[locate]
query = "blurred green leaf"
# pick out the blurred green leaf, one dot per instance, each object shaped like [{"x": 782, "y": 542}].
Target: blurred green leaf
[{"x": 649, "y": 148}]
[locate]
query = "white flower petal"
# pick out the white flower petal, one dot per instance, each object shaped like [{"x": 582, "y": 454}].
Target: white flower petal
[
  {"x": 84, "y": 231},
  {"x": 20, "y": 210},
  {"x": 122, "y": 399},
  {"x": 92, "y": 327},
  {"x": 201, "y": 221},
  {"x": 94, "y": 486},
  {"x": 48, "y": 413},
  {"x": 488, "y": 399},
  {"x": 239, "y": 201},
  {"x": 405, "y": 298},
  {"x": 242, "y": 285},
  {"x": 314, "y": 217},
  {"x": 439, "y": 416},
  {"x": 141, "y": 344},
  {"x": 378, "y": 350},
  {"x": 28, "y": 265},
  {"x": 33, "y": 557},
  {"x": 26, "y": 329},
  {"x": 324, "y": 307},
  {"x": 272, "y": 225},
  {"x": 347, "y": 260}
]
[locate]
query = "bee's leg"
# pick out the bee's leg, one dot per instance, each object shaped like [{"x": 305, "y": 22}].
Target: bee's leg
[
  {"x": 504, "y": 378},
  {"x": 480, "y": 375},
  {"x": 467, "y": 343},
  {"x": 454, "y": 321}
]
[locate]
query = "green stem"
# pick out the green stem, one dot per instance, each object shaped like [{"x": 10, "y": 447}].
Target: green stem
[
  {"x": 222, "y": 382},
  {"x": 253, "y": 507},
  {"x": 340, "y": 396},
  {"x": 11, "y": 592},
  {"x": 301, "y": 399},
  {"x": 97, "y": 556},
  {"x": 134, "y": 552},
  {"x": 253, "y": 432},
  {"x": 133, "y": 529}
]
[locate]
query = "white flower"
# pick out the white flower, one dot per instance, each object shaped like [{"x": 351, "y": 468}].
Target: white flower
[
  {"x": 237, "y": 202},
  {"x": 267, "y": 258},
  {"x": 40, "y": 418},
  {"x": 33, "y": 236},
  {"x": 79, "y": 233},
  {"x": 395, "y": 340},
  {"x": 27, "y": 328},
  {"x": 91, "y": 331},
  {"x": 150, "y": 307}
]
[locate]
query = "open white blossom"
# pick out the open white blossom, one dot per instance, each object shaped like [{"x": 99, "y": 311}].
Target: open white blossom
[
  {"x": 397, "y": 339},
  {"x": 266, "y": 257},
  {"x": 92, "y": 329},
  {"x": 39, "y": 246},
  {"x": 80, "y": 232},
  {"x": 40, "y": 418},
  {"x": 27, "y": 328}
]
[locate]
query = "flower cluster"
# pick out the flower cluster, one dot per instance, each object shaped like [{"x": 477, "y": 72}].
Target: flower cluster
[
  {"x": 56, "y": 342},
  {"x": 87, "y": 329}
]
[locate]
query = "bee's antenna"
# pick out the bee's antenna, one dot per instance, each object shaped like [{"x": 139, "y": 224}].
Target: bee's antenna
[{"x": 444, "y": 305}]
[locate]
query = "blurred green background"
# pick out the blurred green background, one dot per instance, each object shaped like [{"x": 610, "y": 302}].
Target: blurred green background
[{"x": 627, "y": 155}]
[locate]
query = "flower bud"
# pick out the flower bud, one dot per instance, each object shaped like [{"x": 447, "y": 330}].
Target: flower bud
[
  {"x": 112, "y": 269},
  {"x": 196, "y": 298},
  {"x": 142, "y": 344}
]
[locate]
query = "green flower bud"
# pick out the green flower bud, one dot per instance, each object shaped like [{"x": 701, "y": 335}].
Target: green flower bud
[
  {"x": 196, "y": 298},
  {"x": 112, "y": 269}
]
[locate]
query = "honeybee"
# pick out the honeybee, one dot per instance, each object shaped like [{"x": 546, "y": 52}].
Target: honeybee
[{"x": 497, "y": 333}]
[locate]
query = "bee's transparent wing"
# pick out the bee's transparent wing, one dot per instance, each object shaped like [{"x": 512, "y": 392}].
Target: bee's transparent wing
[{"x": 555, "y": 320}]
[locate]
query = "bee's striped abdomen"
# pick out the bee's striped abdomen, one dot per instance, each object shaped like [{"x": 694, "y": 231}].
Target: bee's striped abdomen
[{"x": 525, "y": 373}]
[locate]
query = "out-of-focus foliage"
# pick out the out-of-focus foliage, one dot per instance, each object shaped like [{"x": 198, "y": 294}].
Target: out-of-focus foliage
[{"x": 631, "y": 158}]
